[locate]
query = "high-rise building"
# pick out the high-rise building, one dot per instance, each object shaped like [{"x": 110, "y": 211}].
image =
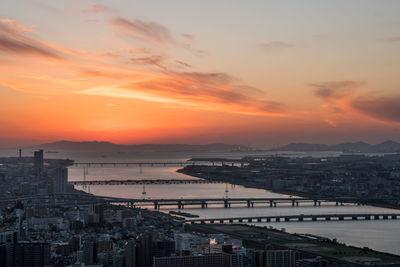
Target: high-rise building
[
  {"x": 89, "y": 252},
  {"x": 209, "y": 260},
  {"x": 38, "y": 162},
  {"x": 143, "y": 250},
  {"x": 130, "y": 254},
  {"x": 163, "y": 248},
  {"x": 280, "y": 258},
  {"x": 26, "y": 254},
  {"x": 60, "y": 180}
]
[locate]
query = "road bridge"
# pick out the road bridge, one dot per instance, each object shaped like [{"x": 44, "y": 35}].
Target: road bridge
[
  {"x": 142, "y": 181},
  {"x": 180, "y": 203},
  {"x": 132, "y": 164},
  {"x": 298, "y": 218},
  {"x": 160, "y": 164}
]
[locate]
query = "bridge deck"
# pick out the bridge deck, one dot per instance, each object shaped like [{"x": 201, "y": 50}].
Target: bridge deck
[
  {"x": 299, "y": 218},
  {"x": 143, "y": 181}
]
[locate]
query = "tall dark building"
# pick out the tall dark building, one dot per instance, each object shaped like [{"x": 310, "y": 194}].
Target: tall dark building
[
  {"x": 130, "y": 254},
  {"x": 90, "y": 252},
  {"x": 25, "y": 254},
  {"x": 163, "y": 248},
  {"x": 144, "y": 250},
  {"x": 60, "y": 180},
  {"x": 38, "y": 161}
]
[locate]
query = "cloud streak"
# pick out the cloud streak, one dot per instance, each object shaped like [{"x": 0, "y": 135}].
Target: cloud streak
[
  {"x": 149, "y": 31},
  {"x": 208, "y": 89},
  {"x": 334, "y": 90},
  {"x": 18, "y": 27},
  {"x": 343, "y": 96},
  {"x": 13, "y": 41},
  {"x": 381, "y": 108},
  {"x": 97, "y": 9}
]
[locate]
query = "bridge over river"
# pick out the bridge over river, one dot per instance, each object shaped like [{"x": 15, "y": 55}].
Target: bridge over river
[
  {"x": 211, "y": 161},
  {"x": 180, "y": 203},
  {"x": 142, "y": 181},
  {"x": 299, "y": 218}
]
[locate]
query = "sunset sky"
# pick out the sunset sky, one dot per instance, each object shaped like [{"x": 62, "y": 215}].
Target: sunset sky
[{"x": 258, "y": 73}]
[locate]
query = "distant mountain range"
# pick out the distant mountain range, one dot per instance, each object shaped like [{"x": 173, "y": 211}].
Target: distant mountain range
[
  {"x": 360, "y": 147},
  {"x": 95, "y": 146}
]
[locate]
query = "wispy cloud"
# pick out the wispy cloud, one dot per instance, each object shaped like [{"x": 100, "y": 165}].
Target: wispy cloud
[
  {"x": 17, "y": 26},
  {"x": 99, "y": 75},
  {"x": 382, "y": 108},
  {"x": 13, "y": 40},
  {"x": 334, "y": 90},
  {"x": 344, "y": 96},
  {"x": 150, "y": 60},
  {"x": 183, "y": 64},
  {"x": 208, "y": 89},
  {"x": 150, "y": 31},
  {"x": 97, "y": 9}
]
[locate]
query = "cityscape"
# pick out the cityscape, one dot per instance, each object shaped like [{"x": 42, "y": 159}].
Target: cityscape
[{"x": 199, "y": 133}]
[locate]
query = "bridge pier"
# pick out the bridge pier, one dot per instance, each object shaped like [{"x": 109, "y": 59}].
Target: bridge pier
[
  {"x": 250, "y": 204},
  {"x": 274, "y": 204},
  {"x": 293, "y": 203},
  {"x": 156, "y": 205},
  {"x": 271, "y": 202},
  {"x": 180, "y": 205},
  {"x": 341, "y": 218},
  {"x": 315, "y": 203},
  {"x": 227, "y": 204},
  {"x": 203, "y": 204}
]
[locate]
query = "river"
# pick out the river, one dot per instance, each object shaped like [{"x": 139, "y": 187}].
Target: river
[{"x": 378, "y": 235}]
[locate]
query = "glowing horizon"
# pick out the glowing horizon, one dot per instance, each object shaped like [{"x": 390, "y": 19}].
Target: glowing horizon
[{"x": 178, "y": 72}]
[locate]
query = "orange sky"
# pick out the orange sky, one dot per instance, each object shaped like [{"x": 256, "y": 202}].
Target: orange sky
[{"x": 147, "y": 73}]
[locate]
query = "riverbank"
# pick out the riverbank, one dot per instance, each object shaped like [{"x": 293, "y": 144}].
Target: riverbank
[
  {"x": 248, "y": 184},
  {"x": 259, "y": 238}
]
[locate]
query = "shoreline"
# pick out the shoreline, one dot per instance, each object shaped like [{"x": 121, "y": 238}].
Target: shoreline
[{"x": 285, "y": 192}]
